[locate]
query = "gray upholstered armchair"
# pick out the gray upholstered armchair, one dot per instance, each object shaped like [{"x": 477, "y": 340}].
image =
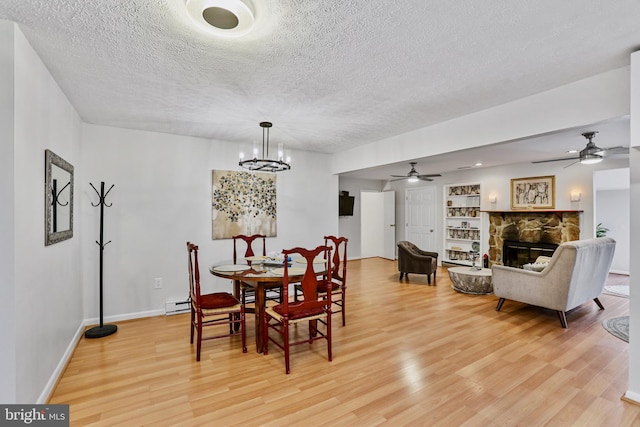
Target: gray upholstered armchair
[
  {"x": 576, "y": 273},
  {"x": 411, "y": 259}
]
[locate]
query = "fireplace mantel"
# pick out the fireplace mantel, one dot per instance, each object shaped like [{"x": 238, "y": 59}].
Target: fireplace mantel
[
  {"x": 558, "y": 212},
  {"x": 519, "y": 211}
]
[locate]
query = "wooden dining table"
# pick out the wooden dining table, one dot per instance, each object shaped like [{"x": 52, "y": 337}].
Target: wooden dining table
[{"x": 261, "y": 280}]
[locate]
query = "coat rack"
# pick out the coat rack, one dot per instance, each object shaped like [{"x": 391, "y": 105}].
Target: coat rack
[{"x": 102, "y": 330}]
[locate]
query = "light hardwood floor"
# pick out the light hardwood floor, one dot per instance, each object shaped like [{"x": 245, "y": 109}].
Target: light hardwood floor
[{"x": 411, "y": 354}]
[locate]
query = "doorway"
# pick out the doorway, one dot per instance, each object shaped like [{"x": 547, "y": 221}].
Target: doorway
[
  {"x": 378, "y": 224},
  {"x": 420, "y": 213}
]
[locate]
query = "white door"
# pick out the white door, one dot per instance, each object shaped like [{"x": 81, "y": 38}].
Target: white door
[
  {"x": 420, "y": 211},
  {"x": 389, "y": 225}
]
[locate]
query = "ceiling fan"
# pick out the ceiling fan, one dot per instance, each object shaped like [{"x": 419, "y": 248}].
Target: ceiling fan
[
  {"x": 591, "y": 154},
  {"x": 414, "y": 176}
]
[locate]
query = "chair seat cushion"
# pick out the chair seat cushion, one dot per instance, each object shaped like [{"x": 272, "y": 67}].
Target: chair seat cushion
[
  {"x": 323, "y": 285},
  {"x": 218, "y": 300},
  {"x": 296, "y": 311}
]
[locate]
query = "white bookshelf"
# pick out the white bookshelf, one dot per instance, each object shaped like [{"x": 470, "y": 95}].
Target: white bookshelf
[{"x": 462, "y": 223}]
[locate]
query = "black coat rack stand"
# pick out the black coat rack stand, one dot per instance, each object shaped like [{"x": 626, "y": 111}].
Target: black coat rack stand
[{"x": 102, "y": 330}]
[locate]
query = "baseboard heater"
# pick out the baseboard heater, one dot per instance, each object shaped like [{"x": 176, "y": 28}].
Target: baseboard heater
[{"x": 176, "y": 306}]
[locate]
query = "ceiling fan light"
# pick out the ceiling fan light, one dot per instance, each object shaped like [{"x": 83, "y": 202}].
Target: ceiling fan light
[
  {"x": 413, "y": 179},
  {"x": 590, "y": 159}
]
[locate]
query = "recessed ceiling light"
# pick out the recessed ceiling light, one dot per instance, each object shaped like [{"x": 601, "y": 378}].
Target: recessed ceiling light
[
  {"x": 572, "y": 151},
  {"x": 478, "y": 164},
  {"x": 226, "y": 18}
]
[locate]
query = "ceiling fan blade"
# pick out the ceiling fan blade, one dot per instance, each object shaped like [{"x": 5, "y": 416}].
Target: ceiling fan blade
[
  {"x": 399, "y": 176},
  {"x": 424, "y": 178},
  {"x": 429, "y": 175},
  {"x": 557, "y": 160},
  {"x": 616, "y": 150},
  {"x": 398, "y": 179},
  {"x": 571, "y": 164}
]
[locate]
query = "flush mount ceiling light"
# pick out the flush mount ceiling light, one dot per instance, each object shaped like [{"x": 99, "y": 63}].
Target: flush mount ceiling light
[
  {"x": 226, "y": 18},
  {"x": 265, "y": 164}
]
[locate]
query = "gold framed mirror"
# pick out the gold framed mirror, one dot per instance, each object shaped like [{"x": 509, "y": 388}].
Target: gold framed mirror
[{"x": 58, "y": 199}]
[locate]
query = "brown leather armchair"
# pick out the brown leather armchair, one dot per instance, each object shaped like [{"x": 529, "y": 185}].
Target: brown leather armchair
[{"x": 411, "y": 259}]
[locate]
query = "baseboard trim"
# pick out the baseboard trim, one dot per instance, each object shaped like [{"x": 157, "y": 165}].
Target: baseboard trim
[
  {"x": 64, "y": 360},
  {"x": 121, "y": 317},
  {"x": 632, "y": 397},
  {"x": 62, "y": 365}
]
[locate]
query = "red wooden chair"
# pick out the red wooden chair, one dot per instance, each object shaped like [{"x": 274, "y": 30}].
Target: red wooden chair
[
  {"x": 249, "y": 294},
  {"x": 212, "y": 309},
  {"x": 338, "y": 275},
  {"x": 310, "y": 309}
]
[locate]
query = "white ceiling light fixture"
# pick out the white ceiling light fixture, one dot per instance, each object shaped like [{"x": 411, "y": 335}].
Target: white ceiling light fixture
[
  {"x": 226, "y": 18},
  {"x": 265, "y": 164}
]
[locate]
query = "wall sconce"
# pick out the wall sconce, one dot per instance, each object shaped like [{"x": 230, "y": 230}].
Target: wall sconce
[
  {"x": 493, "y": 198},
  {"x": 576, "y": 196}
]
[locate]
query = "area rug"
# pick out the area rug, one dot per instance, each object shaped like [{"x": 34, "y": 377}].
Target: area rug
[
  {"x": 618, "y": 290},
  {"x": 618, "y": 327}
]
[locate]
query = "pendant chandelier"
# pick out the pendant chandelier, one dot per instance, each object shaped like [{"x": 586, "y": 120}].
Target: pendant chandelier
[{"x": 265, "y": 164}]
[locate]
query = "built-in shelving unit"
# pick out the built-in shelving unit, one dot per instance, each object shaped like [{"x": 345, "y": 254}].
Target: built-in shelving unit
[{"x": 462, "y": 223}]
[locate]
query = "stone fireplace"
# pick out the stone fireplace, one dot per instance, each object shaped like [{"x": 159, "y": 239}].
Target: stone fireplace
[{"x": 533, "y": 228}]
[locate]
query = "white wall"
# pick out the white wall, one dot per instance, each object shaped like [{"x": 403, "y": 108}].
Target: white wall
[
  {"x": 162, "y": 198},
  {"x": 372, "y": 223},
  {"x": 8, "y": 331},
  {"x": 48, "y": 291},
  {"x": 634, "y": 303},
  {"x": 349, "y": 226},
  {"x": 612, "y": 210}
]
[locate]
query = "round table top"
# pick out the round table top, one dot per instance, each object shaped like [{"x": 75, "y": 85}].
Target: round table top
[
  {"x": 267, "y": 275},
  {"x": 470, "y": 271}
]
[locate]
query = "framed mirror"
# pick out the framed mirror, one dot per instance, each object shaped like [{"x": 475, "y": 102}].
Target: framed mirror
[{"x": 58, "y": 199}]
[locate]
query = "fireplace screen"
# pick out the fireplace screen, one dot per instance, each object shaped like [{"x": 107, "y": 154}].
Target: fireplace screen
[{"x": 517, "y": 254}]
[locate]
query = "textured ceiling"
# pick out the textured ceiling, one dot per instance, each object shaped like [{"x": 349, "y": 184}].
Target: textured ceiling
[{"x": 329, "y": 74}]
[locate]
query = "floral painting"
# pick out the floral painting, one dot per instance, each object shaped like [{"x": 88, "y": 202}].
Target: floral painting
[{"x": 243, "y": 203}]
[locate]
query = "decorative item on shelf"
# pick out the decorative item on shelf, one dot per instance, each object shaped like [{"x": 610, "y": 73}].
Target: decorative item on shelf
[
  {"x": 485, "y": 261},
  {"x": 473, "y": 256},
  {"x": 456, "y": 248},
  {"x": 265, "y": 164}
]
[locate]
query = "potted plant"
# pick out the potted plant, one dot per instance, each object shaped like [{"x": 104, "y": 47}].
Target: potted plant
[{"x": 601, "y": 230}]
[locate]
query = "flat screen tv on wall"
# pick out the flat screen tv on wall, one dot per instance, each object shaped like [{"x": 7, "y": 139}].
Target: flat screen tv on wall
[{"x": 345, "y": 205}]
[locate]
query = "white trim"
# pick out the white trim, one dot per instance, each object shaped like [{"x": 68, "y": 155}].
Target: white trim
[
  {"x": 632, "y": 396},
  {"x": 57, "y": 373},
  {"x": 129, "y": 316}
]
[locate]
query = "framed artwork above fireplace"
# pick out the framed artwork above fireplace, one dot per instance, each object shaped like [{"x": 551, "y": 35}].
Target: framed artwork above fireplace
[{"x": 538, "y": 192}]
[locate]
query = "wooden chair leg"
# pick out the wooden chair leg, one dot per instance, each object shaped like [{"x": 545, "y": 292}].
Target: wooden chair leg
[
  {"x": 285, "y": 329},
  {"x": 344, "y": 317},
  {"x": 500, "y": 302},
  {"x": 401, "y": 274},
  {"x": 563, "y": 318},
  {"x": 243, "y": 331},
  {"x": 597, "y": 301},
  {"x": 193, "y": 318},
  {"x": 199, "y": 344},
  {"x": 428, "y": 279}
]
